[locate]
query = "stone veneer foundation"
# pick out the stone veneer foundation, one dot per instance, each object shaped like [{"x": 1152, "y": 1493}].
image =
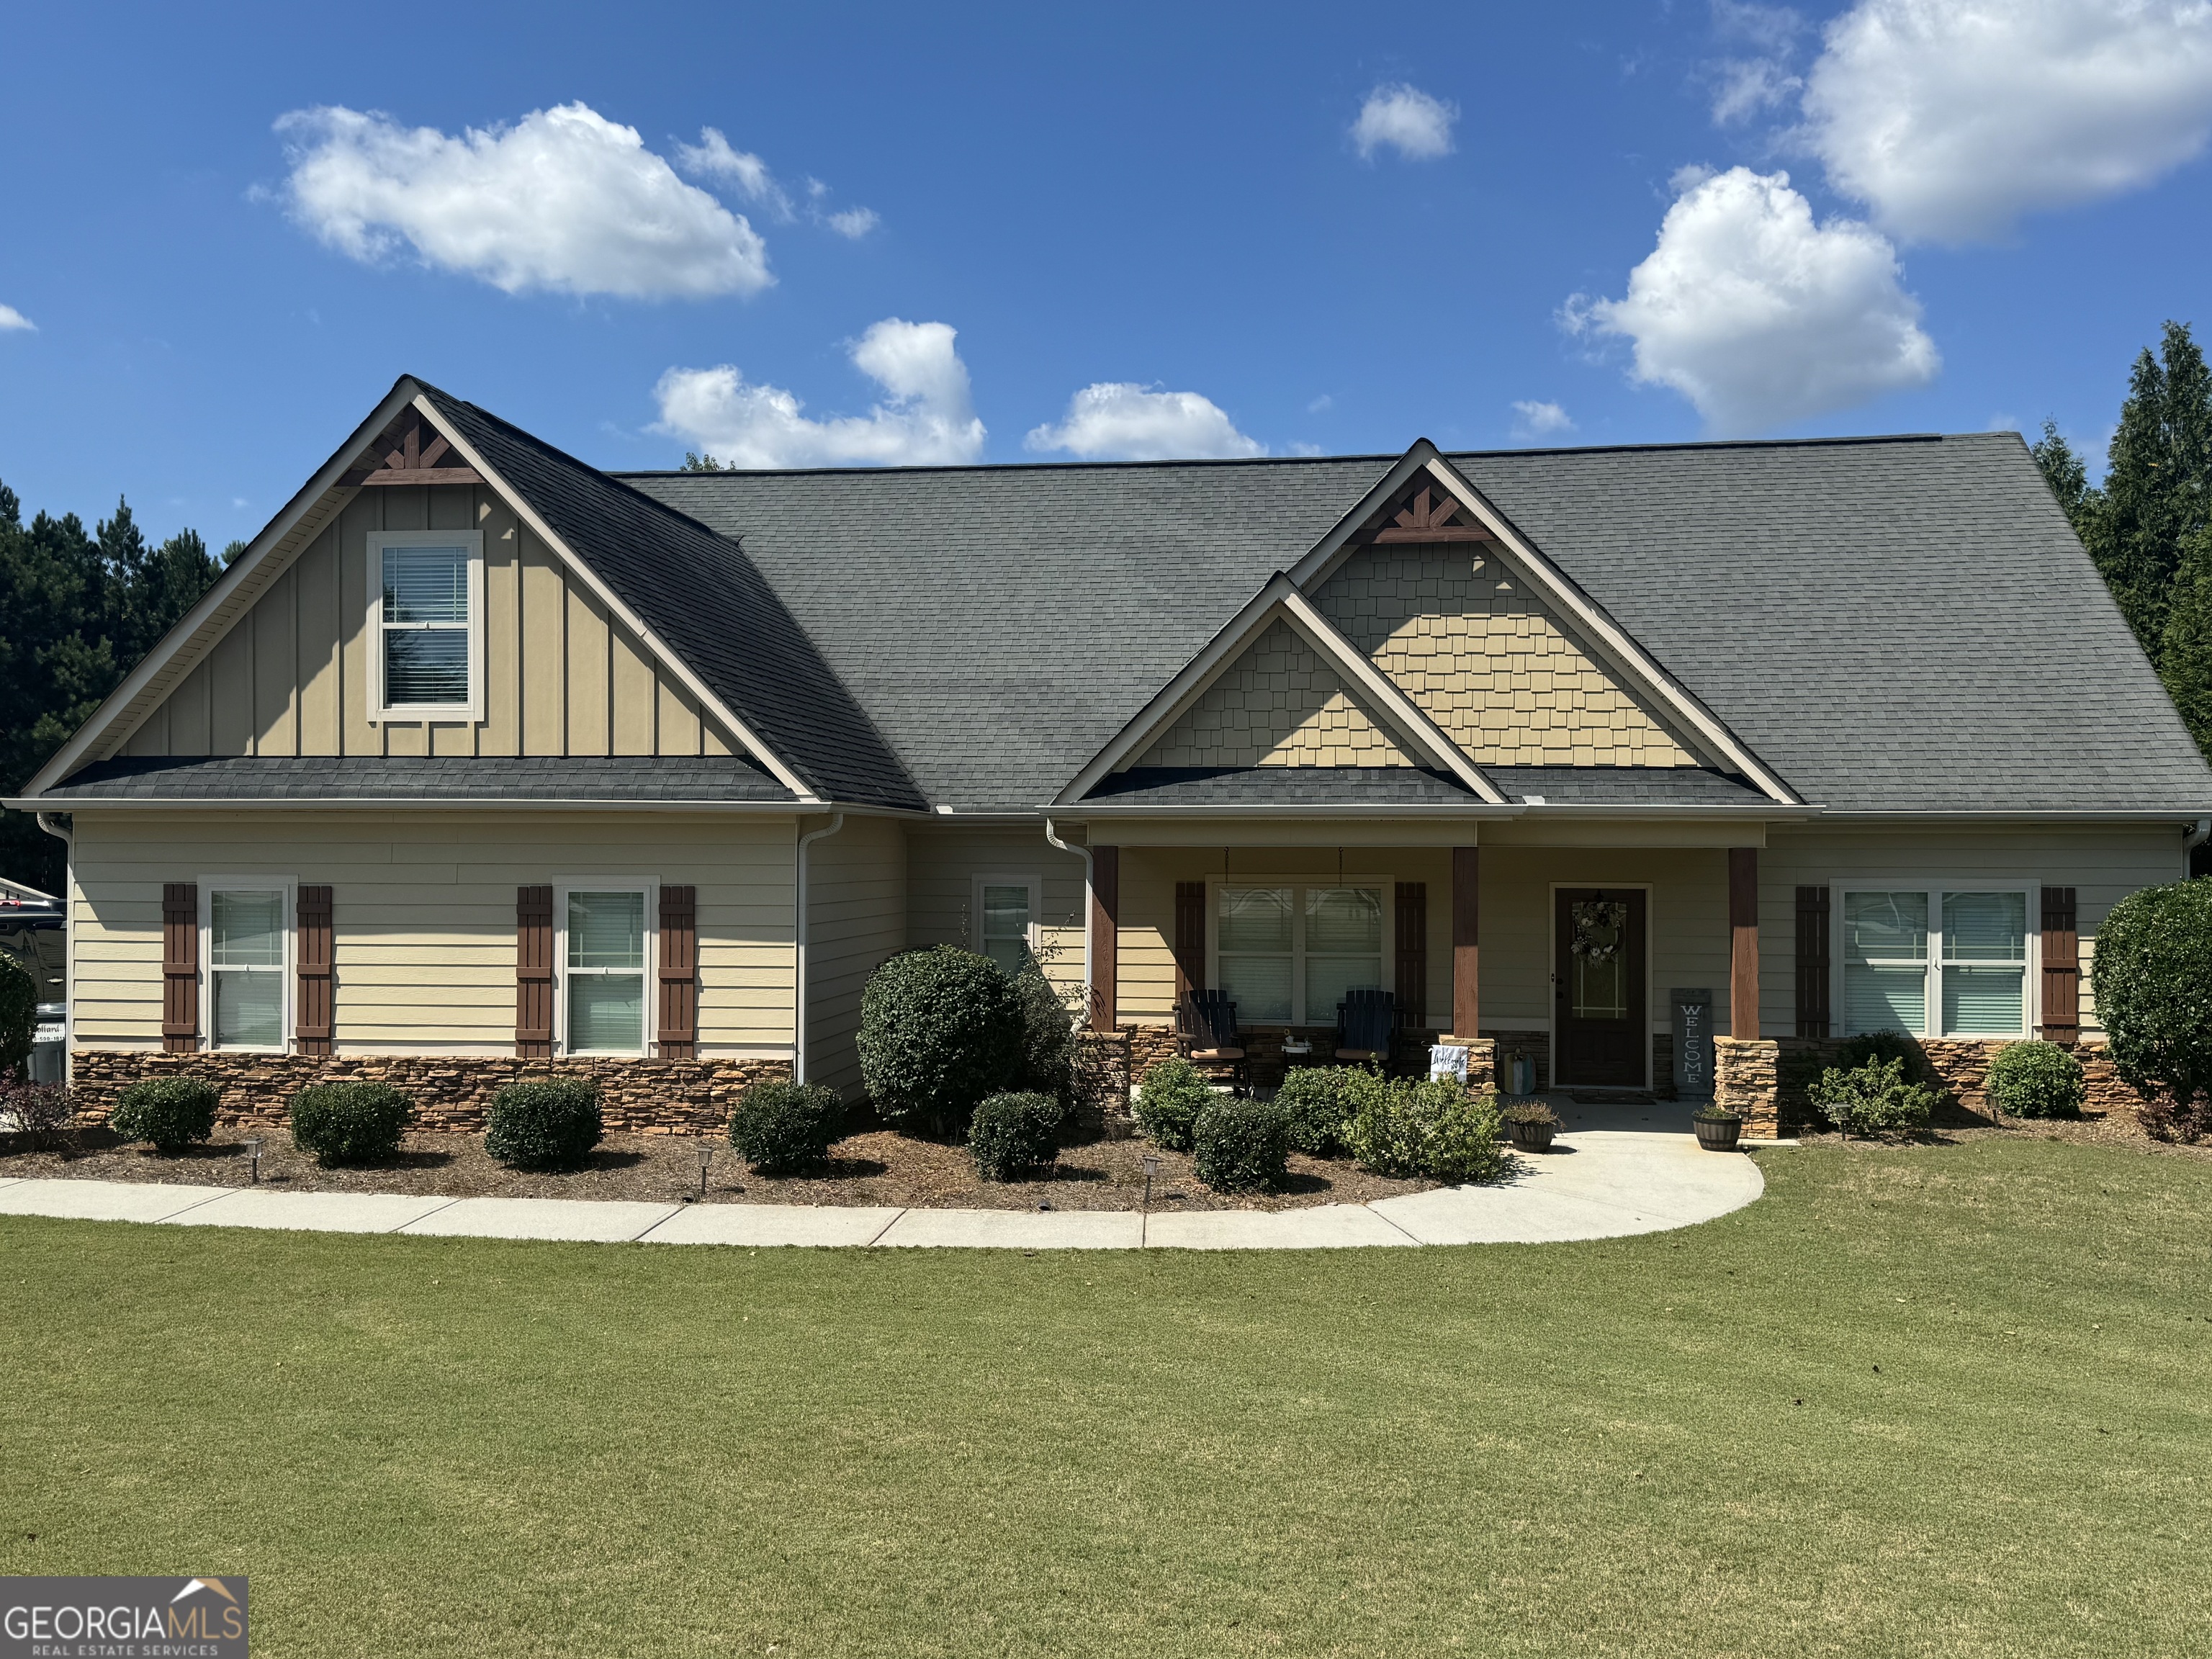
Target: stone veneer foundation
[
  {"x": 451, "y": 1093},
  {"x": 1751, "y": 1077}
]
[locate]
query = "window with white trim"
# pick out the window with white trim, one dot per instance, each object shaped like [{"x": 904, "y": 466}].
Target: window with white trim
[
  {"x": 1937, "y": 961},
  {"x": 426, "y": 624},
  {"x": 606, "y": 946},
  {"x": 248, "y": 952},
  {"x": 1286, "y": 955},
  {"x": 1006, "y": 918}
]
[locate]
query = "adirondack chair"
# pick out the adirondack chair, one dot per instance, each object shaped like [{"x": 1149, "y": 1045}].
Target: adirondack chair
[
  {"x": 1207, "y": 1035},
  {"x": 1364, "y": 1020}
]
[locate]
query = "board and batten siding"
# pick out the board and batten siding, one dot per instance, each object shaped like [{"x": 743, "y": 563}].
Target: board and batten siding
[
  {"x": 856, "y": 883},
  {"x": 942, "y": 864},
  {"x": 292, "y": 676},
  {"x": 2102, "y": 863},
  {"x": 423, "y": 913}
]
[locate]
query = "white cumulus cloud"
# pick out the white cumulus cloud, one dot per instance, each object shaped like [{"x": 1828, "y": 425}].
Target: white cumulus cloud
[
  {"x": 1408, "y": 120},
  {"x": 1951, "y": 118},
  {"x": 1760, "y": 316},
  {"x": 712, "y": 157},
  {"x": 563, "y": 200},
  {"x": 1535, "y": 420},
  {"x": 927, "y": 415},
  {"x": 11, "y": 317},
  {"x": 1117, "y": 420},
  {"x": 855, "y": 222}
]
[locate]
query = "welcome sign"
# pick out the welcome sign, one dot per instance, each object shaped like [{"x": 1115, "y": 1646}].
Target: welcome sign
[{"x": 122, "y": 1619}]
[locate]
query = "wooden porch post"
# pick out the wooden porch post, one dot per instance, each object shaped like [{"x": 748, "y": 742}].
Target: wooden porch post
[
  {"x": 1105, "y": 933},
  {"x": 1743, "y": 941},
  {"x": 1466, "y": 915}
]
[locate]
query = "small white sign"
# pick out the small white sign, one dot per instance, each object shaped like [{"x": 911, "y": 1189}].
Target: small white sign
[{"x": 1447, "y": 1060}]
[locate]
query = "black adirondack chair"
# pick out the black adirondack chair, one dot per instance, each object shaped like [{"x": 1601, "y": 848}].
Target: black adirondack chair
[
  {"x": 1364, "y": 1020},
  {"x": 1208, "y": 1035}
]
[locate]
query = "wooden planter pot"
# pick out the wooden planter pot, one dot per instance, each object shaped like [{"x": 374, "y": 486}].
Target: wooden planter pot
[
  {"x": 1532, "y": 1136},
  {"x": 1719, "y": 1134}
]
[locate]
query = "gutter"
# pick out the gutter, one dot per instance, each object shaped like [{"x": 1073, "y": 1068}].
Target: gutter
[
  {"x": 798, "y": 990},
  {"x": 445, "y": 803},
  {"x": 67, "y": 839},
  {"x": 1090, "y": 903}
]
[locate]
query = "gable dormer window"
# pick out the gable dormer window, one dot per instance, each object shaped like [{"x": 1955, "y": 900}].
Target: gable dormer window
[{"x": 426, "y": 624}]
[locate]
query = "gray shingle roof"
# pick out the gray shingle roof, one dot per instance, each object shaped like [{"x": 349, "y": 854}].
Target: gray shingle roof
[
  {"x": 698, "y": 592},
  {"x": 1283, "y": 785},
  {"x": 1895, "y": 625},
  {"x": 713, "y": 779},
  {"x": 1624, "y": 786}
]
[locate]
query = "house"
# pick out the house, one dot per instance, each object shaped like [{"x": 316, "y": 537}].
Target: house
[{"x": 480, "y": 762}]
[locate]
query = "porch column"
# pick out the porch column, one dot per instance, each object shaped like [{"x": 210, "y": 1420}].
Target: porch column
[
  {"x": 1466, "y": 915},
  {"x": 1743, "y": 941},
  {"x": 1105, "y": 935}
]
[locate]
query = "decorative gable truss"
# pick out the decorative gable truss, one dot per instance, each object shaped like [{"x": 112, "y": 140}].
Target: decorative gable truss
[{"x": 411, "y": 451}]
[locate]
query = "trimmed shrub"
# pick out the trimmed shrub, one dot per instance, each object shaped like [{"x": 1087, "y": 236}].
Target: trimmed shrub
[
  {"x": 42, "y": 1114},
  {"x": 786, "y": 1126},
  {"x": 1013, "y": 1134},
  {"x": 19, "y": 1016},
  {"x": 1434, "y": 1126},
  {"x": 2153, "y": 979},
  {"x": 350, "y": 1122},
  {"x": 551, "y": 1125},
  {"x": 1048, "y": 1059},
  {"x": 1241, "y": 1146},
  {"x": 172, "y": 1112},
  {"x": 1173, "y": 1094},
  {"x": 1874, "y": 1099},
  {"x": 1312, "y": 1099},
  {"x": 939, "y": 1030},
  {"x": 2036, "y": 1080}
]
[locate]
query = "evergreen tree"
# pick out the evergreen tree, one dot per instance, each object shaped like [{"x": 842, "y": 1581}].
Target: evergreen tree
[
  {"x": 2158, "y": 484},
  {"x": 2185, "y": 660},
  {"x": 2064, "y": 472}
]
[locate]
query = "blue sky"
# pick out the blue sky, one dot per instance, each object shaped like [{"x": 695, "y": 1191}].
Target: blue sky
[{"x": 1127, "y": 230}]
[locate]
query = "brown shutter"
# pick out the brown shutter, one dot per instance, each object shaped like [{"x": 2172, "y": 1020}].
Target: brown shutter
[
  {"x": 533, "y": 973},
  {"x": 1189, "y": 938},
  {"x": 180, "y": 966},
  {"x": 2062, "y": 967},
  {"x": 1412, "y": 929},
  {"x": 312, "y": 1025},
  {"x": 679, "y": 973},
  {"x": 1813, "y": 976}
]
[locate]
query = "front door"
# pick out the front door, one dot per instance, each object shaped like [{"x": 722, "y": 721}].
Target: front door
[{"x": 1598, "y": 1014}]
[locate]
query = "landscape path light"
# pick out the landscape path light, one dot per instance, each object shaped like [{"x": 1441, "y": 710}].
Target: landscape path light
[
  {"x": 1151, "y": 1168},
  {"x": 706, "y": 1150},
  {"x": 253, "y": 1144}
]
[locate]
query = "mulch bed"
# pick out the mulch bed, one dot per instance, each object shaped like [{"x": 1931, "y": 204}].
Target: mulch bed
[
  {"x": 879, "y": 1166},
  {"x": 2116, "y": 1128}
]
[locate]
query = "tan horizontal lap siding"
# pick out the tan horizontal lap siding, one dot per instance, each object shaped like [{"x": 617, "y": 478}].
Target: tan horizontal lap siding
[
  {"x": 856, "y": 916},
  {"x": 423, "y": 911},
  {"x": 2102, "y": 864},
  {"x": 942, "y": 864}
]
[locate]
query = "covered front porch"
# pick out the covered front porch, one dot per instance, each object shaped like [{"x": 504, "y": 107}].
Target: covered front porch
[{"x": 1606, "y": 954}]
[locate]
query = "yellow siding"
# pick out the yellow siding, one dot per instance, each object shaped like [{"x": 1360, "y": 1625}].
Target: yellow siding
[
  {"x": 424, "y": 917},
  {"x": 855, "y": 917},
  {"x": 942, "y": 864},
  {"x": 1278, "y": 705},
  {"x": 1488, "y": 662},
  {"x": 292, "y": 675}
]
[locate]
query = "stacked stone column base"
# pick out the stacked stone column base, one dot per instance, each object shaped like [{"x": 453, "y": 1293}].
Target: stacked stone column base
[{"x": 1746, "y": 1078}]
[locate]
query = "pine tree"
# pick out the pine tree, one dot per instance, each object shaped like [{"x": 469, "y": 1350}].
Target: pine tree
[
  {"x": 2158, "y": 484},
  {"x": 2186, "y": 651},
  {"x": 2063, "y": 470}
]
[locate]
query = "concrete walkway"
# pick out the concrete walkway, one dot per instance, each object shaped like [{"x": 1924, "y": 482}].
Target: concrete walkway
[{"x": 1613, "y": 1171}]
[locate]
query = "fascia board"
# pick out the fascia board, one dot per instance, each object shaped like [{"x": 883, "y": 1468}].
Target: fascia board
[
  {"x": 382, "y": 802},
  {"x": 683, "y": 670},
  {"x": 1482, "y": 809},
  {"x": 246, "y": 568}
]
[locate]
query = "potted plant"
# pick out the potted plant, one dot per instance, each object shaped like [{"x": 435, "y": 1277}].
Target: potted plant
[
  {"x": 1532, "y": 1124},
  {"x": 1718, "y": 1128}
]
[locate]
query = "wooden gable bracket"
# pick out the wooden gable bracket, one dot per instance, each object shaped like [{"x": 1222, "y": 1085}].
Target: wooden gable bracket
[
  {"x": 1426, "y": 513},
  {"x": 408, "y": 452}
]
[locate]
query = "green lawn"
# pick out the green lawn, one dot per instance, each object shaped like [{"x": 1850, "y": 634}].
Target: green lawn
[{"x": 431, "y": 1446}]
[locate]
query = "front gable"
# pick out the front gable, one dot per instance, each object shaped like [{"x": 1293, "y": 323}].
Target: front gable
[{"x": 1279, "y": 704}]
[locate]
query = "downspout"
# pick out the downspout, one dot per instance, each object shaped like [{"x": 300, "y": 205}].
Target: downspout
[
  {"x": 798, "y": 995},
  {"x": 2195, "y": 838},
  {"x": 67, "y": 839},
  {"x": 1090, "y": 988}
]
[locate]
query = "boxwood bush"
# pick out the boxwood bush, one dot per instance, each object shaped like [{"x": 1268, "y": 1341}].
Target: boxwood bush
[
  {"x": 939, "y": 1030},
  {"x": 549, "y": 1125},
  {"x": 350, "y": 1123},
  {"x": 2153, "y": 979},
  {"x": 1874, "y": 1099},
  {"x": 1048, "y": 1053},
  {"x": 1432, "y": 1127},
  {"x": 1173, "y": 1094},
  {"x": 172, "y": 1112},
  {"x": 1013, "y": 1134},
  {"x": 786, "y": 1126},
  {"x": 1241, "y": 1146},
  {"x": 2036, "y": 1080},
  {"x": 1312, "y": 1099}
]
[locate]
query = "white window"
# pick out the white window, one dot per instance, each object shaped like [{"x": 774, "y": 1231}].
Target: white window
[
  {"x": 605, "y": 947},
  {"x": 1007, "y": 921},
  {"x": 426, "y": 624},
  {"x": 1937, "y": 961},
  {"x": 1287, "y": 955},
  {"x": 245, "y": 928}
]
